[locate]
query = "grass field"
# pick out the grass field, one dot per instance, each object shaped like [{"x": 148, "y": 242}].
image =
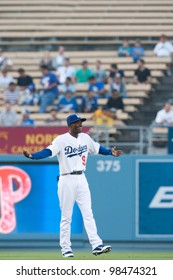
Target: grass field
[{"x": 42, "y": 255}]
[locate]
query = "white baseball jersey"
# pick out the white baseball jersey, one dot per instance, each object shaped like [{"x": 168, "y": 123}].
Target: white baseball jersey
[
  {"x": 162, "y": 115},
  {"x": 73, "y": 152}
]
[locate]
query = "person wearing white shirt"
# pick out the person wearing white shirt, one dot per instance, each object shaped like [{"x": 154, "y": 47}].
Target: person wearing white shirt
[
  {"x": 5, "y": 62},
  {"x": 164, "y": 47},
  {"x": 67, "y": 86},
  {"x": 66, "y": 71},
  {"x": 58, "y": 60},
  {"x": 164, "y": 117},
  {"x": 5, "y": 78}
]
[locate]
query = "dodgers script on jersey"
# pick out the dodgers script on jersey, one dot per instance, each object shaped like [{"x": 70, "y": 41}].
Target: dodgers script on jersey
[{"x": 73, "y": 152}]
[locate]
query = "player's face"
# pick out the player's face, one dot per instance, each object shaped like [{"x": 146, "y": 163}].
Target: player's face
[{"x": 76, "y": 127}]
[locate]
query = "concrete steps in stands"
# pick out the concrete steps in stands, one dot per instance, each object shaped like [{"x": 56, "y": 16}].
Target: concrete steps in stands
[
  {"x": 147, "y": 111},
  {"x": 163, "y": 92}
]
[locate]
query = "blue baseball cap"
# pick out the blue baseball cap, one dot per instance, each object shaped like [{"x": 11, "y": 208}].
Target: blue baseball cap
[{"x": 74, "y": 118}]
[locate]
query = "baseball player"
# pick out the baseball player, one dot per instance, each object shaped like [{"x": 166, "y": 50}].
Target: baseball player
[{"x": 72, "y": 149}]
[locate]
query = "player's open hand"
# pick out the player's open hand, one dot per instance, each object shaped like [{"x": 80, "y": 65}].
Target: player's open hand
[
  {"x": 116, "y": 153},
  {"x": 26, "y": 154}
]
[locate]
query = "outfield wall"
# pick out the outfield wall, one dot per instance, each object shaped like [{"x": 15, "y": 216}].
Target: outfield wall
[{"x": 132, "y": 200}]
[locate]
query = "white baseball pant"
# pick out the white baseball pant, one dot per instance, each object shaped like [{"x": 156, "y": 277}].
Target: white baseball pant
[{"x": 71, "y": 189}]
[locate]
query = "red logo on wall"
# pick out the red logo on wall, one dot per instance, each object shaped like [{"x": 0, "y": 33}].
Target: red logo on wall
[{"x": 15, "y": 185}]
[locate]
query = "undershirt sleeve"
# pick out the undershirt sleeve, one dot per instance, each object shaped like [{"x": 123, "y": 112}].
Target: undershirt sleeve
[
  {"x": 42, "y": 154},
  {"x": 105, "y": 151}
]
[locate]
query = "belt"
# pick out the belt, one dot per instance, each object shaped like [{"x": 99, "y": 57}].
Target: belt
[{"x": 74, "y": 173}]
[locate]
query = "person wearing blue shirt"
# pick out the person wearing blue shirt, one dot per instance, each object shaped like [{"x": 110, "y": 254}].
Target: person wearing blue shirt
[
  {"x": 137, "y": 51},
  {"x": 26, "y": 120},
  {"x": 97, "y": 87},
  {"x": 89, "y": 102},
  {"x": 49, "y": 84},
  {"x": 67, "y": 103}
]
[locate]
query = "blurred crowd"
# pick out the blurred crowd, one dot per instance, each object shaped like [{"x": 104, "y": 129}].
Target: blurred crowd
[{"x": 60, "y": 80}]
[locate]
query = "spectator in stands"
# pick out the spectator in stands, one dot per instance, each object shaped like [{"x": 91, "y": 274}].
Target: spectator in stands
[
  {"x": 100, "y": 72},
  {"x": 115, "y": 101},
  {"x": 8, "y": 117},
  {"x": 5, "y": 78},
  {"x": 11, "y": 94},
  {"x": 49, "y": 84},
  {"x": 124, "y": 50},
  {"x": 142, "y": 74},
  {"x": 47, "y": 60},
  {"x": 103, "y": 117},
  {"x": 25, "y": 81},
  {"x": 68, "y": 103},
  {"x": 27, "y": 97},
  {"x": 82, "y": 75},
  {"x": 66, "y": 71},
  {"x": 53, "y": 119},
  {"x": 5, "y": 62},
  {"x": 97, "y": 87},
  {"x": 113, "y": 71},
  {"x": 58, "y": 60},
  {"x": 137, "y": 52},
  {"x": 26, "y": 120},
  {"x": 119, "y": 85},
  {"x": 164, "y": 117},
  {"x": 67, "y": 86},
  {"x": 89, "y": 102},
  {"x": 163, "y": 47}
]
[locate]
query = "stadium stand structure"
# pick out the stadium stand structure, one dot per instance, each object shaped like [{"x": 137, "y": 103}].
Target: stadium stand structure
[
  {"x": 83, "y": 23},
  {"x": 163, "y": 93},
  {"x": 92, "y": 30}
]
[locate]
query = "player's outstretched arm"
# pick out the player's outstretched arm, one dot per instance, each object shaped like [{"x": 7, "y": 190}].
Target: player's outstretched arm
[
  {"x": 113, "y": 152},
  {"x": 26, "y": 154},
  {"x": 39, "y": 155},
  {"x": 116, "y": 153}
]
